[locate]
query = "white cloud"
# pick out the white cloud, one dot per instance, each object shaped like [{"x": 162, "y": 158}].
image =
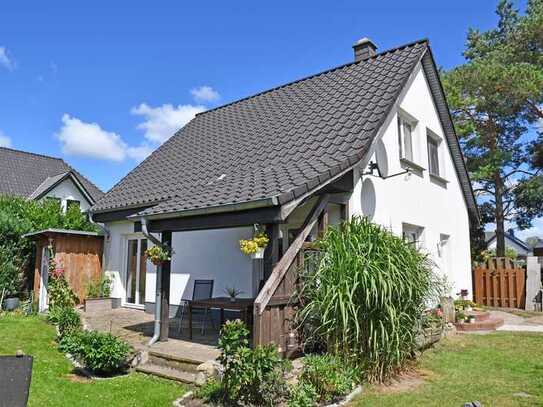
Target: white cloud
[
  {"x": 163, "y": 121},
  {"x": 90, "y": 140},
  {"x": 5, "y": 59},
  {"x": 5, "y": 141},
  {"x": 205, "y": 94},
  {"x": 139, "y": 153}
]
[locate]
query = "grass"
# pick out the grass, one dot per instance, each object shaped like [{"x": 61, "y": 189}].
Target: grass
[
  {"x": 53, "y": 383},
  {"x": 499, "y": 369}
]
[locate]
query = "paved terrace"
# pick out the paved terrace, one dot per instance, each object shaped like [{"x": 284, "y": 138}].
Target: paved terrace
[{"x": 136, "y": 327}]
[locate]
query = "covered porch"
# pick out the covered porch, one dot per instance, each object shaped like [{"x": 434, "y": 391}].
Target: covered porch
[{"x": 274, "y": 278}]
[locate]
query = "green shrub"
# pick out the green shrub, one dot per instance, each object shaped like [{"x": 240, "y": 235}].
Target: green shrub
[
  {"x": 363, "y": 297},
  {"x": 100, "y": 352},
  {"x": 66, "y": 319},
  {"x": 211, "y": 392},
  {"x": 19, "y": 216},
  {"x": 71, "y": 342},
  {"x": 302, "y": 395},
  {"x": 251, "y": 376},
  {"x": 328, "y": 375},
  {"x": 100, "y": 288}
]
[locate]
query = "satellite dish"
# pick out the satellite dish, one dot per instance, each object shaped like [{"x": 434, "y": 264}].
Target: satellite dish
[
  {"x": 368, "y": 198},
  {"x": 382, "y": 158}
]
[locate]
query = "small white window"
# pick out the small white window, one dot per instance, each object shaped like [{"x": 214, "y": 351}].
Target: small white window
[
  {"x": 412, "y": 234},
  {"x": 433, "y": 143},
  {"x": 405, "y": 137}
]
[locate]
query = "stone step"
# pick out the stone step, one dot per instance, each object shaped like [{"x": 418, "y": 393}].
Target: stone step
[
  {"x": 489, "y": 324},
  {"x": 167, "y": 373},
  {"x": 174, "y": 362},
  {"x": 479, "y": 315}
]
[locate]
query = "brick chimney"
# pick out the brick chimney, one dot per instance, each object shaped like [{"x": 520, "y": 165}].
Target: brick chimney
[{"x": 363, "y": 49}]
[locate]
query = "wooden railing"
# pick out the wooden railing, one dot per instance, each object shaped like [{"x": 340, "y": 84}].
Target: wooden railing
[
  {"x": 275, "y": 308},
  {"x": 499, "y": 283}
]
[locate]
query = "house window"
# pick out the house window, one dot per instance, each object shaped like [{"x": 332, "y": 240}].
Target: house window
[
  {"x": 412, "y": 234},
  {"x": 72, "y": 202},
  {"x": 405, "y": 137},
  {"x": 433, "y": 154}
]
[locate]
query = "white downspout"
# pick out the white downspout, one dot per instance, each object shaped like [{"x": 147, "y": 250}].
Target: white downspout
[{"x": 158, "y": 286}]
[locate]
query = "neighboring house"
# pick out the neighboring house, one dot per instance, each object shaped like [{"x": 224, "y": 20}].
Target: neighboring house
[
  {"x": 511, "y": 242},
  {"x": 372, "y": 137},
  {"x": 36, "y": 176}
]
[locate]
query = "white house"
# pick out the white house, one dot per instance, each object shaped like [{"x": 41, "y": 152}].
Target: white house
[
  {"x": 36, "y": 176},
  {"x": 373, "y": 136},
  {"x": 511, "y": 242}
]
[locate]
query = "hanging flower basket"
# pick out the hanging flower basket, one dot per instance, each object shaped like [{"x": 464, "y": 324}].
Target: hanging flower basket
[
  {"x": 255, "y": 247},
  {"x": 259, "y": 254},
  {"x": 157, "y": 255}
]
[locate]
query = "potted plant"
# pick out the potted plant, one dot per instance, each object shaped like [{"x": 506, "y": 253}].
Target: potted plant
[
  {"x": 98, "y": 296},
  {"x": 460, "y": 316},
  {"x": 10, "y": 282},
  {"x": 255, "y": 247},
  {"x": 232, "y": 292},
  {"x": 157, "y": 255}
]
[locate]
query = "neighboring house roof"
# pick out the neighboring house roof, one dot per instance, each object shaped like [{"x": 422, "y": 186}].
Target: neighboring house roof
[
  {"x": 273, "y": 147},
  {"x": 491, "y": 236},
  {"x": 32, "y": 175}
]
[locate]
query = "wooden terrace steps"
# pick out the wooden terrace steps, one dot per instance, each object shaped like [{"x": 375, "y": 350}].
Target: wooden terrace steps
[
  {"x": 171, "y": 367},
  {"x": 483, "y": 322}
]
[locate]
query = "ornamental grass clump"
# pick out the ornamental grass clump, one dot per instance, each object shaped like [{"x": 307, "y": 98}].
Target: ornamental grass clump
[{"x": 363, "y": 296}]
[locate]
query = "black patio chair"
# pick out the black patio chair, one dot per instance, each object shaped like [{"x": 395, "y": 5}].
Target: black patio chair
[{"x": 203, "y": 290}]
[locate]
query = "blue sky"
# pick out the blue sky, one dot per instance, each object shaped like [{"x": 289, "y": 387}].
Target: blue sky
[{"x": 100, "y": 84}]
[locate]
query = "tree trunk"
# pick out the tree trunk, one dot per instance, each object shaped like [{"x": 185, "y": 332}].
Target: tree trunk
[{"x": 500, "y": 218}]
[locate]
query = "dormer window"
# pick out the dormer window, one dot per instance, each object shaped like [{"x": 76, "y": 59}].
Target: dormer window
[{"x": 406, "y": 129}]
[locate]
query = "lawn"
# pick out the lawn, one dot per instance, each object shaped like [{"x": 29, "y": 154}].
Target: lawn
[
  {"x": 53, "y": 383},
  {"x": 499, "y": 369}
]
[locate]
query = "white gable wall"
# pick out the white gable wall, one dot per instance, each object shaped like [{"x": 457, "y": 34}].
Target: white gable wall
[
  {"x": 438, "y": 208},
  {"x": 68, "y": 190}
]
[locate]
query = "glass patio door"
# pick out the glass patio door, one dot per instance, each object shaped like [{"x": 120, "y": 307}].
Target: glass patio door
[{"x": 136, "y": 269}]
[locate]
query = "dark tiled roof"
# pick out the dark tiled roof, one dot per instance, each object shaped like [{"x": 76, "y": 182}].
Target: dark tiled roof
[
  {"x": 275, "y": 145},
  {"x": 27, "y": 174}
]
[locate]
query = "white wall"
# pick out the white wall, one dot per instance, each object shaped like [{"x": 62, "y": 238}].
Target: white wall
[
  {"x": 207, "y": 254},
  {"x": 418, "y": 200},
  {"x": 68, "y": 190}
]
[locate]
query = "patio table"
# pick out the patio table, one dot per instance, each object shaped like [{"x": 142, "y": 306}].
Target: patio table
[{"x": 243, "y": 305}]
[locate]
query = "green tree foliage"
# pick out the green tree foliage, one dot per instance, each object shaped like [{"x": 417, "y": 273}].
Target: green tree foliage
[
  {"x": 19, "y": 216},
  {"x": 495, "y": 98}
]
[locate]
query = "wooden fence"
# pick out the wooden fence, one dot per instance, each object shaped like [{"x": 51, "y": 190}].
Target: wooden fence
[{"x": 499, "y": 283}]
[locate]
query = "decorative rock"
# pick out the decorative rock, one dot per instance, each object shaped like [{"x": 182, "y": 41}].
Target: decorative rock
[
  {"x": 209, "y": 369},
  {"x": 447, "y": 305}
]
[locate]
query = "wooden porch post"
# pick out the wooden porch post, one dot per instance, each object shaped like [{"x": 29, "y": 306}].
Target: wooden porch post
[
  {"x": 271, "y": 253},
  {"x": 344, "y": 211},
  {"x": 165, "y": 290},
  {"x": 322, "y": 223}
]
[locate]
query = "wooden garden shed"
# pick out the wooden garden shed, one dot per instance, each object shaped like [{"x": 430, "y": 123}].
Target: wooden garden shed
[{"x": 79, "y": 253}]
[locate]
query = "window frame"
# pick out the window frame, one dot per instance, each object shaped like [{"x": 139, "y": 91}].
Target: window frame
[
  {"x": 433, "y": 141},
  {"x": 73, "y": 202},
  {"x": 404, "y": 120}
]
